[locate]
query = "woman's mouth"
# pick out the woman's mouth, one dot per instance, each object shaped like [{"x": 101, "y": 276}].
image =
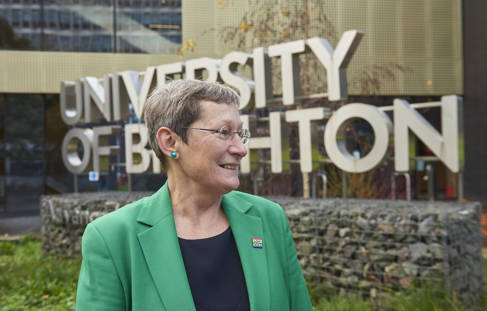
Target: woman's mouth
[{"x": 230, "y": 166}]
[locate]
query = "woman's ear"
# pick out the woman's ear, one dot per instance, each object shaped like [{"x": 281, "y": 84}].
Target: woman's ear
[{"x": 167, "y": 141}]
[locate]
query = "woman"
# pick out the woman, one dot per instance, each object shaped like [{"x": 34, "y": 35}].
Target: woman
[{"x": 195, "y": 244}]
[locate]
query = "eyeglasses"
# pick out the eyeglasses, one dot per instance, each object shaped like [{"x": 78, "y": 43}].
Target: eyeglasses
[{"x": 225, "y": 133}]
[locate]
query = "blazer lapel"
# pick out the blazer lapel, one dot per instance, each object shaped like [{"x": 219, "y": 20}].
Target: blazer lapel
[
  {"x": 245, "y": 227},
  {"x": 162, "y": 254}
]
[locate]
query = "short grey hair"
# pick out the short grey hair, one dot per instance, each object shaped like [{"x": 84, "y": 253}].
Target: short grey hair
[{"x": 176, "y": 105}]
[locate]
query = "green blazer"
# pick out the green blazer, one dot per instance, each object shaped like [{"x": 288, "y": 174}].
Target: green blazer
[{"x": 132, "y": 259}]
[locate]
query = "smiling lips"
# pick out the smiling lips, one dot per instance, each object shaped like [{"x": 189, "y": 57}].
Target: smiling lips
[{"x": 230, "y": 166}]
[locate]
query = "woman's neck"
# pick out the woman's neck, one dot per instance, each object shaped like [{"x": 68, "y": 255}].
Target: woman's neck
[{"x": 197, "y": 214}]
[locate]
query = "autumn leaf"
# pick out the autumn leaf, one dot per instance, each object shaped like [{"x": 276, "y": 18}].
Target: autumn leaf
[
  {"x": 189, "y": 45},
  {"x": 244, "y": 27}
]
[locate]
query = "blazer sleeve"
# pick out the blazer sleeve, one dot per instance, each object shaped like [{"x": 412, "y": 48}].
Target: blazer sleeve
[
  {"x": 298, "y": 292},
  {"x": 99, "y": 285}
]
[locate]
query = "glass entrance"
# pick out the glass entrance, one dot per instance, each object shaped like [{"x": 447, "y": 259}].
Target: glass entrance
[{"x": 22, "y": 153}]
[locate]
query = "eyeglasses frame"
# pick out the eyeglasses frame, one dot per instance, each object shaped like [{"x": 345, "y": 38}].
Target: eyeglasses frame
[{"x": 244, "y": 134}]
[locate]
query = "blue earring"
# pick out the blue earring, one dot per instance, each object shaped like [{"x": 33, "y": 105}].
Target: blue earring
[{"x": 174, "y": 154}]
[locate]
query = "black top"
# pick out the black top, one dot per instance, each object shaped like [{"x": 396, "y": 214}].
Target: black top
[{"x": 215, "y": 273}]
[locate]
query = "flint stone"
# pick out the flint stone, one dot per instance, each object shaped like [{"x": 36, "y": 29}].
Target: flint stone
[
  {"x": 410, "y": 268},
  {"x": 418, "y": 251},
  {"x": 330, "y": 232},
  {"x": 343, "y": 232}
]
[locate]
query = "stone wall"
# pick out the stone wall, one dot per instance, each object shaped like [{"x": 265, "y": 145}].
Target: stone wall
[
  {"x": 367, "y": 246},
  {"x": 357, "y": 246},
  {"x": 65, "y": 216}
]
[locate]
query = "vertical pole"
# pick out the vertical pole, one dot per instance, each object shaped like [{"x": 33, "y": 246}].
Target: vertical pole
[
  {"x": 460, "y": 186},
  {"x": 42, "y": 17},
  {"x": 313, "y": 186},
  {"x": 129, "y": 182},
  {"x": 114, "y": 26},
  {"x": 429, "y": 172},
  {"x": 408, "y": 186},
  {"x": 306, "y": 185},
  {"x": 325, "y": 181},
  {"x": 44, "y": 139},
  {"x": 344, "y": 184},
  {"x": 75, "y": 183},
  {"x": 3, "y": 155},
  {"x": 255, "y": 184},
  {"x": 393, "y": 186}
]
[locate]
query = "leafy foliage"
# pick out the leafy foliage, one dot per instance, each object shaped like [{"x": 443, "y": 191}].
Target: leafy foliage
[
  {"x": 8, "y": 39},
  {"x": 426, "y": 297},
  {"x": 30, "y": 280}
]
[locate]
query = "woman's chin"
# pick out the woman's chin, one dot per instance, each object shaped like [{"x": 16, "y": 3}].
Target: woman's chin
[{"x": 230, "y": 186}]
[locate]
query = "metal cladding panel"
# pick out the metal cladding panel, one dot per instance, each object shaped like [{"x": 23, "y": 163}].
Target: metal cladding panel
[
  {"x": 42, "y": 72},
  {"x": 198, "y": 24},
  {"x": 415, "y": 45}
]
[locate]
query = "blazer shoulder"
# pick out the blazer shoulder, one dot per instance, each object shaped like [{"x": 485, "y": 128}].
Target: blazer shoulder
[
  {"x": 122, "y": 219},
  {"x": 254, "y": 199},
  {"x": 260, "y": 205}
]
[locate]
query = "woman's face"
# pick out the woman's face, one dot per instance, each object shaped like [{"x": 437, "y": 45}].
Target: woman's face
[{"x": 208, "y": 160}]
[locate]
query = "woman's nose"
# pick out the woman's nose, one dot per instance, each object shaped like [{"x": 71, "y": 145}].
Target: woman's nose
[{"x": 238, "y": 147}]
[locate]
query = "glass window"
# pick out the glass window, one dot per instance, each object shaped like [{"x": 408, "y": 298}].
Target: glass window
[
  {"x": 35, "y": 39},
  {"x": 52, "y": 18},
  {"x": 24, "y": 151},
  {"x": 16, "y": 17},
  {"x": 63, "y": 15},
  {"x": 65, "y": 43},
  {"x": 177, "y": 19},
  {"x": 165, "y": 19},
  {"x": 85, "y": 43},
  {"x": 57, "y": 177},
  {"x": 64, "y": 19},
  {"x": 96, "y": 43},
  {"x": 155, "y": 18},
  {"x": 84, "y": 24},
  {"x": 76, "y": 21},
  {"x": 36, "y": 18},
  {"x": 27, "y": 18},
  {"x": 147, "y": 19}
]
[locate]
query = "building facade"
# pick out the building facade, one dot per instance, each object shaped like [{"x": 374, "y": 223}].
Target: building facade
[{"x": 416, "y": 49}]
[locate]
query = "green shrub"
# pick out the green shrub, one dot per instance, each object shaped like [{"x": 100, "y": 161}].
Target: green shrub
[
  {"x": 32, "y": 281},
  {"x": 429, "y": 297},
  {"x": 324, "y": 297}
]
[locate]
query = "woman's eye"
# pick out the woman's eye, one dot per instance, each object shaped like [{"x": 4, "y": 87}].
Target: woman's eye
[{"x": 224, "y": 131}]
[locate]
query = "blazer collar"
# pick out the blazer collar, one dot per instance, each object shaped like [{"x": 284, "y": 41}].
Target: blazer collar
[
  {"x": 162, "y": 253},
  {"x": 245, "y": 227},
  {"x": 157, "y": 207}
]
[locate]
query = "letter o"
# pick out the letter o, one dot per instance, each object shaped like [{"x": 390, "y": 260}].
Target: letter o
[
  {"x": 338, "y": 153},
  {"x": 71, "y": 158}
]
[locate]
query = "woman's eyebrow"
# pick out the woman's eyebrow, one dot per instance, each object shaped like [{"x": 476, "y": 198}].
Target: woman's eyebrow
[{"x": 229, "y": 123}]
